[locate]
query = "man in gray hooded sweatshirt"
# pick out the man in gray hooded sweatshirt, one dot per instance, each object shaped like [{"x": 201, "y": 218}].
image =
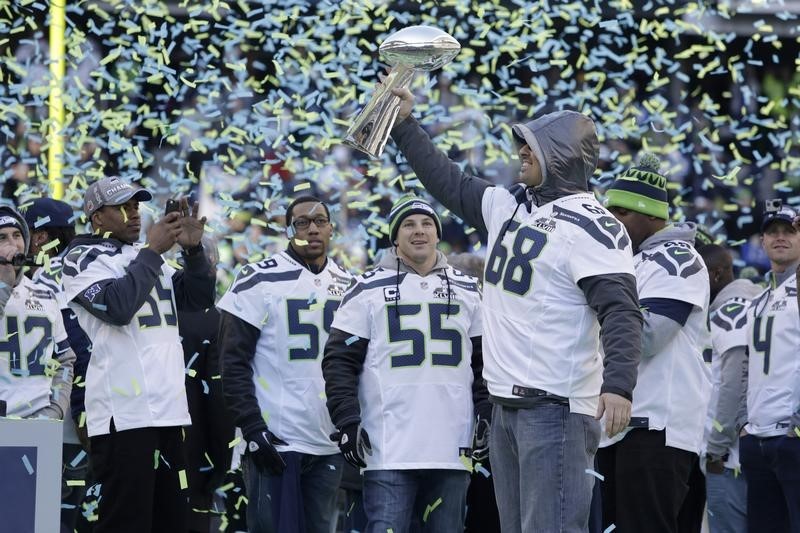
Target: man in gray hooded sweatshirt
[
  {"x": 648, "y": 467},
  {"x": 559, "y": 277}
]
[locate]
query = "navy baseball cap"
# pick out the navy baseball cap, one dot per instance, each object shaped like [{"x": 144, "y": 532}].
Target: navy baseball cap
[
  {"x": 111, "y": 191},
  {"x": 785, "y": 213},
  {"x": 48, "y": 213}
]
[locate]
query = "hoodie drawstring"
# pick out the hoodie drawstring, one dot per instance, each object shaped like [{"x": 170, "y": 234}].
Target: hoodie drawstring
[
  {"x": 505, "y": 226},
  {"x": 447, "y": 279},
  {"x": 397, "y": 290}
]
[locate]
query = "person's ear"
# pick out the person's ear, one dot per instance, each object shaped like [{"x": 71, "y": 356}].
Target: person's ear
[{"x": 40, "y": 238}]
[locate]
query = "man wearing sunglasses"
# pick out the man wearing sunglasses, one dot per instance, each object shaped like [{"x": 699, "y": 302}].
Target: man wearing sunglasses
[
  {"x": 275, "y": 321},
  {"x": 770, "y": 443}
]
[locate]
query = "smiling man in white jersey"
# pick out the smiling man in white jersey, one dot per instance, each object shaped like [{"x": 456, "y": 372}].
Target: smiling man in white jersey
[
  {"x": 126, "y": 298},
  {"x": 275, "y": 321},
  {"x": 648, "y": 467},
  {"x": 52, "y": 228},
  {"x": 35, "y": 358},
  {"x": 770, "y": 447},
  {"x": 402, "y": 375},
  {"x": 560, "y": 270}
]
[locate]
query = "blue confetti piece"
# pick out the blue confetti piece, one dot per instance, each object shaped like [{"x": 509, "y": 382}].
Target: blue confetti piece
[
  {"x": 78, "y": 458},
  {"x": 27, "y": 463},
  {"x": 351, "y": 340},
  {"x": 481, "y": 470},
  {"x": 41, "y": 222},
  {"x": 192, "y": 360}
]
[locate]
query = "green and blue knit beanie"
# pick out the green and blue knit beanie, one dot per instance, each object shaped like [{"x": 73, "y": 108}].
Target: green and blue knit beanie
[
  {"x": 411, "y": 205},
  {"x": 642, "y": 189}
]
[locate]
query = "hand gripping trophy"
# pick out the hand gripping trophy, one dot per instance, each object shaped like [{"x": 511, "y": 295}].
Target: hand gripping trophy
[{"x": 408, "y": 50}]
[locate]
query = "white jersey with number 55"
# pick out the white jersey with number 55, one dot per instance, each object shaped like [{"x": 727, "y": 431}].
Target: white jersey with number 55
[{"x": 415, "y": 389}]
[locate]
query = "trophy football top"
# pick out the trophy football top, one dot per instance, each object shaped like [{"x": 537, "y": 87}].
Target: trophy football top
[{"x": 420, "y": 47}]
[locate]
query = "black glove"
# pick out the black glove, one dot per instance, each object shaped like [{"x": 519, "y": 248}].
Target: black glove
[
  {"x": 354, "y": 443},
  {"x": 480, "y": 441},
  {"x": 261, "y": 449}
]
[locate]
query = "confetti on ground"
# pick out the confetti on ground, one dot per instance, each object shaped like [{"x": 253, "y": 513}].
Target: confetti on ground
[
  {"x": 429, "y": 509},
  {"x": 598, "y": 475}
]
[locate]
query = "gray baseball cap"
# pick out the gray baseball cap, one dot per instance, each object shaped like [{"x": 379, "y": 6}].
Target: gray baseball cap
[{"x": 111, "y": 191}]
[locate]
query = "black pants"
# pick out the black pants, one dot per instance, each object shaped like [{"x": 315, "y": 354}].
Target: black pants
[
  {"x": 771, "y": 466},
  {"x": 140, "y": 491},
  {"x": 646, "y": 483}
]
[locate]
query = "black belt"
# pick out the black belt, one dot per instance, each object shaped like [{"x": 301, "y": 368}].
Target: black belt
[{"x": 546, "y": 397}]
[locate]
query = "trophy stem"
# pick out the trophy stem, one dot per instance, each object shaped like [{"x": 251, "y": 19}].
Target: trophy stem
[{"x": 371, "y": 128}]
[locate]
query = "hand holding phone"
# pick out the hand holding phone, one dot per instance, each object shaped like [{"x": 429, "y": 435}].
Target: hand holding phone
[{"x": 172, "y": 205}]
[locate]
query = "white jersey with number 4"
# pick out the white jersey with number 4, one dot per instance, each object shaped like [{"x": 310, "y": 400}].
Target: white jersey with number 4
[
  {"x": 540, "y": 332},
  {"x": 136, "y": 371},
  {"x": 293, "y": 308},
  {"x": 415, "y": 389},
  {"x": 31, "y": 331},
  {"x": 773, "y": 334}
]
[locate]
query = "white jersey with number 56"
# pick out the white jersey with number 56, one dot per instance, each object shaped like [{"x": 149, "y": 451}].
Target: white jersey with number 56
[{"x": 293, "y": 308}]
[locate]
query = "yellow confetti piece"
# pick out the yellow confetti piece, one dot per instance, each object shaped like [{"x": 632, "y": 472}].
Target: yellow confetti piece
[
  {"x": 430, "y": 508},
  {"x": 182, "y": 479}
]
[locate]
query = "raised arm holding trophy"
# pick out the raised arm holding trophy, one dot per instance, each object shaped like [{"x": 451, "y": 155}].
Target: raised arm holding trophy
[{"x": 408, "y": 50}]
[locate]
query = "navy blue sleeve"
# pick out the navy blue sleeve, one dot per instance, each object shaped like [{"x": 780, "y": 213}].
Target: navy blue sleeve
[
  {"x": 237, "y": 345},
  {"x": 341, "y": 368},
  {"x": 117, "y": 300},
  {"x": 82, "y": 346},
  {"x": 480, "y": 394},
  {"x": 443, "y": 179},
  {"x": 194, "y": 284},
  {"x": 677, "y": 310}
]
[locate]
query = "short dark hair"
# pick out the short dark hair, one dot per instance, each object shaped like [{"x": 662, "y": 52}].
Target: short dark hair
[
  {"x": 64, "y": 234},
  {"x": 303, "y": 200}
]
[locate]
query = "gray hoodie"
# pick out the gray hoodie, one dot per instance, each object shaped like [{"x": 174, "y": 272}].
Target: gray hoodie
[
  {"x": 659, "y": 330},
  {"x": 565, "y": 144},
  {"x": 730, "y": 410}
]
